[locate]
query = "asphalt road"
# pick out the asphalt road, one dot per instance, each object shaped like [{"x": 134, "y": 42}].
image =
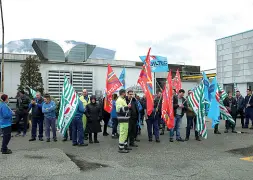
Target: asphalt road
[{"x": 217, "y": 158}]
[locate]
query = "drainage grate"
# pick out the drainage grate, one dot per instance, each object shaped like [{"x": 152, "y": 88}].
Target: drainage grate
[{"x": 85, "y": 165}]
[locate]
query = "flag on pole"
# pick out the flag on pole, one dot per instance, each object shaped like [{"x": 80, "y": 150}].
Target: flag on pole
[
  {"x": 177, "y": 81},
  {"x": 122, "y": 77},
  {"x": 68, "y": 106},
  {"x": 223, "y": 95},
  {"x": 196, "y": 101},
  {"x": 112, "y": 84},
  {"x": 206, "y": 86},
  {"x": 167, "y": 103},
  {"x": 143, "y": 81},
  {"x": 33, "y": 92}
]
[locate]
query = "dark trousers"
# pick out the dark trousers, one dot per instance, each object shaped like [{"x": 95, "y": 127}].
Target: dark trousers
[
  {"x": 216, "y": 128},
  {"x": 20, "y": 117},
  {"x": 248, "y": 115},
  {"x": 242, "y": 116},
  {"x": 190, "y": 122},
  {"x": 70, "y": 132},
  {"x": 95, "y": 136},
  {"x": 50, "y": 122},
  {"x": 228, "y": 124},
  {"x": 106, "y": 120},
  {"x": 37, "y": 121},
  {"x": 152, "y": 123},
  {"x": 114, "y": 125},
  {"x": 132, "y": 129},
  {"x": 6, "y": 138},
  {"x": 77, "y": 131}
]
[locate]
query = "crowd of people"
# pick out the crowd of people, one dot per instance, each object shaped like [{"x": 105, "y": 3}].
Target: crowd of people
[{"x": 128, "y": 112}]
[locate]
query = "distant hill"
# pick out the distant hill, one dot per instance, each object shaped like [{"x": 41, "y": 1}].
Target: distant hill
[{"x": 24, "y": 46}]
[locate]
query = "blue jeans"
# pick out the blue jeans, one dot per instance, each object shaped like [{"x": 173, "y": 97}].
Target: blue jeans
[
  {"x": 77, "y": 131},
  {"x": 70, "y": 132},
  {"x": 37, "y": 121},
  {"x": 152, "y": 123},
  {"x": 177, "y": 123},
  {"x": 114, "y": 125}
]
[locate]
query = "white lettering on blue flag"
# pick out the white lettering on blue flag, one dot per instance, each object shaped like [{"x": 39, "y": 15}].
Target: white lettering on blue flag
[{"x": 157, "y": 63}]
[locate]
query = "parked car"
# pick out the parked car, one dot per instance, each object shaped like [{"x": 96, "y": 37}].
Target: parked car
[{"x": 13, "y": 106}]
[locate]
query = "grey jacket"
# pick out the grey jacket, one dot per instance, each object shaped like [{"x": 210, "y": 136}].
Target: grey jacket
[{"x": 240, "y": 103}]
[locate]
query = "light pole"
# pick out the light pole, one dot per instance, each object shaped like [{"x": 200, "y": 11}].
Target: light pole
[{"x": 2, "y": 63}]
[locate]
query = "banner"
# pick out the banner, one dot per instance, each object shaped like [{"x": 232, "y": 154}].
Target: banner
[{"x": 157, "y": 63}]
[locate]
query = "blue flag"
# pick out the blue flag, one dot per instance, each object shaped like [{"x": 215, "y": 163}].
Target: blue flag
[
  {"x": 206, "y": 86},
  {"x": 214, "y": 109},
  {"x": 122, "y": 77},
  {"x": 157, "y": 63}
]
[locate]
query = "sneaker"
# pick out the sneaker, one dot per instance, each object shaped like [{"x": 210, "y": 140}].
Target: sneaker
[
  {"x": 105, "y": 134},
  {"x": 7, "y": 152},
  {"x": 32, "y": 139},
  {"x": 123, "y": 151},
  {"x": 83, "y": 144},
  {"x": 48, "y": 140},
  {"x": 96, "y": 141},
  {"x": 180, "y": 140},
  {"x": 114, "y": 136},
  {"x": 18, "y": 134},
  {"x": 171, "y": 140},
  {"x": 24, "y": 134}
]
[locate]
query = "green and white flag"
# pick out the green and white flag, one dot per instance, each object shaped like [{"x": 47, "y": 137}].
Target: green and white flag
[
  {"x": 68, "y": 106},
  {"x": 33, "y": 92},
  {"x": 197, "y": 101},
  {"x": 225, "y": 115},
  {"x": 223, "y": 93}
]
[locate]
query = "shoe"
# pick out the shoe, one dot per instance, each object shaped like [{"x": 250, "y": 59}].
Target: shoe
[
  {"x": 55, "y": 140},
  {"x": 41, "y": 139},
  {"x": 217, "y": 132},
  {"x": 198, "y": 139},
  {"x": 180, "y": 140},
  {"x": 32, "y": 139},
  {"x": 133, "y": 145},
  {"x": 234, "y": 131},
  {"x": 187, "y": 139},
  {"x": 226, "y": 131},
  {"x": 105, "y": 134},
  {"x": 18, "y": 134},
  {"x": 251, "y": 127},
  {"x": 245, "y": 127},
  {"x": 64, "y": 139},
  {"x": 171, "y": 140},
  {"x": 91, "y": 142},
  {"x": 117, "y": 135},
  {"x": 24, "y": 134},
  {"x": 96, "y": 141},
  {"x": 48, "y": 140},
  {"x": 83, "y": 144},
  {"x": 7, "y": 152},
  {"x": 75, "y": 144},
  {"x": 128, "y": 148},
  {"x": 150, "y": 140},
  {"x": 137, "y": 140},
  {"x": 162, "y": 133},
  {"x": 157, "y": 141},
  {"x": 123, "y": 151},
  {"x": 70, "y": 139}
]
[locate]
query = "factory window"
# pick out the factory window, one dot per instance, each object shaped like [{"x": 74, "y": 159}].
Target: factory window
[
  {"x": 82, "y": 80},
  {"x": 250, "y": 85}
]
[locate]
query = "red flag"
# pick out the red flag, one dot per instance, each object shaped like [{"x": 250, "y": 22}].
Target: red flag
[
  {"x": 167, "y": 104},
  {"x": 177, "y": 82},
  {"x": 143, "y": 81},
  {"x": 148, "y": 66},
  {"x": 112, "y": 85}
]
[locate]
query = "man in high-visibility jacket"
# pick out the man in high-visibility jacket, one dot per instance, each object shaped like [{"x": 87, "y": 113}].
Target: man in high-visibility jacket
[
  {"x": 122, "y": 111},
  {"x": 85, "y": 100}
]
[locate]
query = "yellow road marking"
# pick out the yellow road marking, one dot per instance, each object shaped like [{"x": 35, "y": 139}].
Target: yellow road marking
[{"x": 250, "y": 159}]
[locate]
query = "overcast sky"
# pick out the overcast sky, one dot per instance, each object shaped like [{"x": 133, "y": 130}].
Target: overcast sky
[{"x": 182, "y": 30}]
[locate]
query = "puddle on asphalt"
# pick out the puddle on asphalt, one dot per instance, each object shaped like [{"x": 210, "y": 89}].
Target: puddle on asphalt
[
  {"x": 34, "y": 156},
  {"x": 247, "y": 151},
  {"x": 85, "y": 165}
]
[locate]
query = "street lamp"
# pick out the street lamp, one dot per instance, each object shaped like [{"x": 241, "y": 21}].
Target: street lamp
[{"x": 2, "y": 63}]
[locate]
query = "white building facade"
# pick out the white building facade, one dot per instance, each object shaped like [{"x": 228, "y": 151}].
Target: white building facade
[{"x": 234, "y": 57}]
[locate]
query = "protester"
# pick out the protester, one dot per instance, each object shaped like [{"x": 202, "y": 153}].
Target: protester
[
  {"x": 191, "y": 119},
  {"x": 77, "y": 126},
  {"x": 22, "y": 112},
  {"x": 139, "y": 121},
  {"x": 37, "y": 116},
  {"x": 152, "y": 120},
  {"x": 180, "y": 106},
  {"x": 94, "y": 117},
  {"x": 5, "y": 123},
  {"x": 48, "y": 109},
  {"x": 106, "y": 118},
  {"x": 216, "y": 127},
  {"x": 143, "y": 104},
  {"x": 85, "y": 100},
  {"x": 114, "y": 117},
  {"x": 123, "y": 117},
  {"x": 240, "y": 106},
  {"x": 231, "y": 105},
  {"x": 133, "y": 114},
  {"x": 248, "y": 104}
]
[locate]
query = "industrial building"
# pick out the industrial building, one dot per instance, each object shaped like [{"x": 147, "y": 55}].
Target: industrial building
[
  {"x": 82, "y": 71},
  {"x": 234, "y": 56}
]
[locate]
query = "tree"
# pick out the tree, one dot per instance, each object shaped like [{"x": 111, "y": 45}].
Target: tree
[{"x": 30, "y": 76}]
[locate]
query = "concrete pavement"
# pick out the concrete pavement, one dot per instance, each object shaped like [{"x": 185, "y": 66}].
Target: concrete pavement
[{"x": 217, "y": 158}]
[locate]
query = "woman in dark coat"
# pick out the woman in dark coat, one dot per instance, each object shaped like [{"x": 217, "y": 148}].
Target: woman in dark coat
[{"x": 94, "y": 116}]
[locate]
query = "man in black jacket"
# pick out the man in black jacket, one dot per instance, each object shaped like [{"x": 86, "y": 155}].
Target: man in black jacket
[
  {"x": 37, "y": 116},
  {"x": 240, "y": 106},
  {"x": 180, "y": 107},
  {"x": 231, "y": 105},
  {"x": 248, "y": 104},
  {"x": 22, "y": 112}
]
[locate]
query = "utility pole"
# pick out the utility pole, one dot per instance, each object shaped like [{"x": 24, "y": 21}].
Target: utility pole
[{"x": 2, "y": 63}]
